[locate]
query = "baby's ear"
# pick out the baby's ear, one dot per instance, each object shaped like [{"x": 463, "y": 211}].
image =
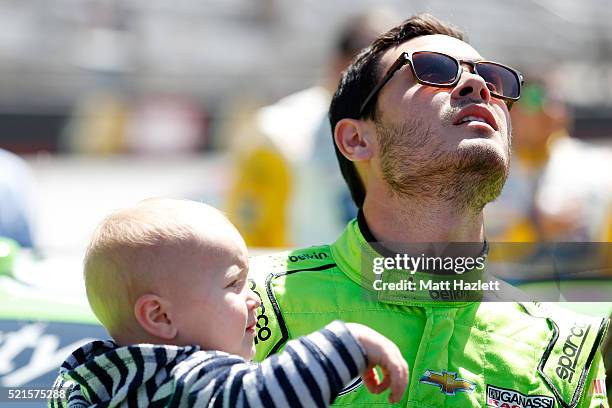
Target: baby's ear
[{"x": 152, "y": 312}]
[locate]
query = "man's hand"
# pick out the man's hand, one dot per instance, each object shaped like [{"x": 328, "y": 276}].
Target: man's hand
[{"x": 384, "y": 353}]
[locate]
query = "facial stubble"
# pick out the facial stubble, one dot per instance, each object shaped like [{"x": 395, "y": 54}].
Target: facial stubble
[{"x": 416, "y": 166}]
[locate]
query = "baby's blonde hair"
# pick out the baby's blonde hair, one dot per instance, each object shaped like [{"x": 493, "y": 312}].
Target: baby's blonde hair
[{"x": 123, "y": 257}]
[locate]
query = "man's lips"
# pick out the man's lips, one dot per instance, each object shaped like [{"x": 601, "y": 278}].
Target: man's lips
[
  {"x": 251, "y": 327},
  {"x": 476, "y": 113}
]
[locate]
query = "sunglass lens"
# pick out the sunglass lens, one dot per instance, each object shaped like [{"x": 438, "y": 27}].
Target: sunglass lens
[
  {"x": 500, "y": 80},
  {"x": 435, "y": 68}
]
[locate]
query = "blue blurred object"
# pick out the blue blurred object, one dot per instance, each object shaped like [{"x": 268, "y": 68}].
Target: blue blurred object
[{"x": 15, "y": 182}]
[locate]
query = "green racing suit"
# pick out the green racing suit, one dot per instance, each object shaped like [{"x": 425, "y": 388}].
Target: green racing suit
[{"x": 459, "y": 353}]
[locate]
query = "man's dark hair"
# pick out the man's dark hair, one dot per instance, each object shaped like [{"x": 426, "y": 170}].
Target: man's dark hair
[{"x": 362, "y": 76}]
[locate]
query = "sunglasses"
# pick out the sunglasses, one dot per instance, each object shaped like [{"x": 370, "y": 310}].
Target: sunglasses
[{"x": 444, "y": 71}]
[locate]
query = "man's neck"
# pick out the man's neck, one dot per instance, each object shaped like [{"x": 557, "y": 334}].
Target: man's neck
[{"x": 392, "y": 219}]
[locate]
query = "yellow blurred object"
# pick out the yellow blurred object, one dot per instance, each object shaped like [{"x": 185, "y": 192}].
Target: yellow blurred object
[
  {"x": 532, "y": 158},
  {"x": 522, "y": 231},
  {"x": 258, "y": 200},
  {"x": 97, "y": 125},
  {"x": 607, "y": 230},
  {"x": 607, "y": 246}
]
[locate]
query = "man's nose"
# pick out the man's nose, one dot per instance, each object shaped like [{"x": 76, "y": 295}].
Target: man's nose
[{"x": 471, "y": 85}]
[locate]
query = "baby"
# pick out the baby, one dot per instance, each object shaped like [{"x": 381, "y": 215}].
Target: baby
[{"x": 168, "y": 280}]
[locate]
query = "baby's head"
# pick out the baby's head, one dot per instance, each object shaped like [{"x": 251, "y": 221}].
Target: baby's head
[{"x": 172, "y": 272}]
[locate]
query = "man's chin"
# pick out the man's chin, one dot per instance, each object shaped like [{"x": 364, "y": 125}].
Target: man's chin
[
  {"x": 480, "y": 154},
  {"x": 481, "y": 169}
]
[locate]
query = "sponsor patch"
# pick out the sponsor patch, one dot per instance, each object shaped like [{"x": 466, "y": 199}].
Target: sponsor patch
[
  {"x": 448, "y": 382},
  {"x": 303, "y": 257},
  {"x": 263, "y": 331},
  {"x": 507, "y": 398},
  {"x": 572, "y": 347},
  {"x": 598, "y": 387}
]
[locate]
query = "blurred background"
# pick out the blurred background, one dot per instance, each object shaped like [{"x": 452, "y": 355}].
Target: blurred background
[
  {"x": 112, "y": 101},
  {"x": 106, "y": 102}
]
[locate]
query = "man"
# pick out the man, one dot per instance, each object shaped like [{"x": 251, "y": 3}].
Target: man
[{"x": 422, "y": 134}]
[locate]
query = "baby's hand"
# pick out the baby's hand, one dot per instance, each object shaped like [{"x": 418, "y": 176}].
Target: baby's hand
[{"x": 383, "y": 352}]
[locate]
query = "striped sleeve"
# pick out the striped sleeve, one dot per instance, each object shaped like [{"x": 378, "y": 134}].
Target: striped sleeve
[{"x": 310, "y": 372}]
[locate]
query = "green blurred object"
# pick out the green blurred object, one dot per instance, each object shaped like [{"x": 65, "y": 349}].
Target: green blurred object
[
  {"x": 9, "y": 248},
  {"x": 533, "y": 97}
]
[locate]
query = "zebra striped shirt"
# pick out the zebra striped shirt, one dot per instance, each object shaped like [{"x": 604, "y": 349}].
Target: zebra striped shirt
[{"x": 308, "y": 373}]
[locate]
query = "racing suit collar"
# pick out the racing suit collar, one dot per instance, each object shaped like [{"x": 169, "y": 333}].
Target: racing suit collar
[
  {"x": 381, "y": 248},
  {"x": 355, "y": 251}
]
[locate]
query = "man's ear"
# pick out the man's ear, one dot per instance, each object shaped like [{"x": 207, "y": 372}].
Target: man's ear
[
  {"x": 153, "y": 314},
  {"x": 353, "y": 138}
]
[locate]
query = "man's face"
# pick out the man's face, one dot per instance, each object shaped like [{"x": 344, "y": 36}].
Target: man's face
[{"x": 432, "y": 140}]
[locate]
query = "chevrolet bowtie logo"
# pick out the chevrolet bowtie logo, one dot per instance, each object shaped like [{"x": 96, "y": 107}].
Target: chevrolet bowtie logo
[{"x": 448, "y": 382}]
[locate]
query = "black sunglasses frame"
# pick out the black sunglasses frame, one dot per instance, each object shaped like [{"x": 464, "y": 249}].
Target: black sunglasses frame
[{"x": 406, "y": 58}]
